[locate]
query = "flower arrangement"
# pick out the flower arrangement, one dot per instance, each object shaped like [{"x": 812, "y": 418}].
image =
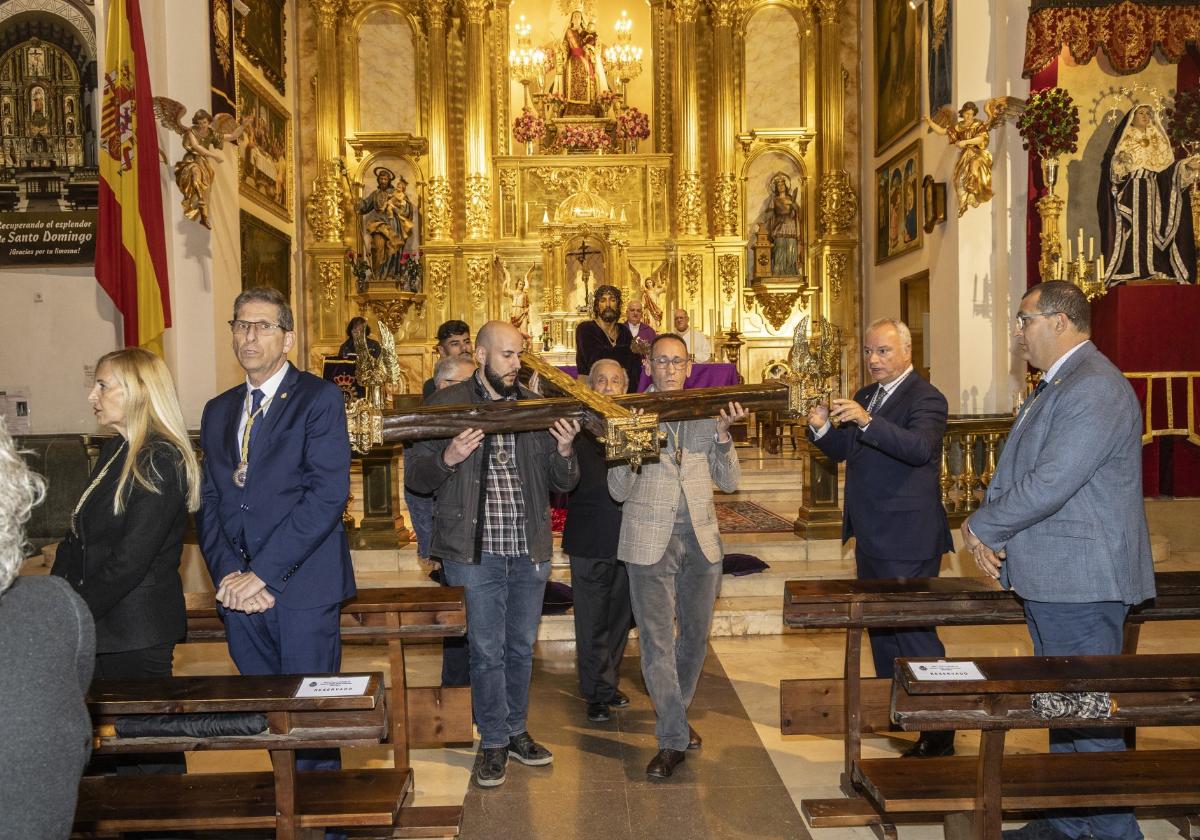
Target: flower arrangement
[
  {"x": 528, "y": 127},
  {"x": 1050, "y": 124},
  {"x": 633, "y": 124},
  {"x": 555, "y": 102},
  {"x": 579, "y": 137},
  {"x": 1183, "y": 121},
  {"x": 606, "y": 100},
  {"x": 360, "y": 268},
  {"x": 409, "y": 277}
]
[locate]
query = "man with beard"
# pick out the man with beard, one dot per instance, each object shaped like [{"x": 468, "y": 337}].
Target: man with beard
[
  {"x": 491, "y": 530},
  {"x": 603, "y": 338}
]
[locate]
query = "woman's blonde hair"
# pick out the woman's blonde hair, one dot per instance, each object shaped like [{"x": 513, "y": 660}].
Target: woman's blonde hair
[
  {"x": 21, "y": 490},
  {"x": 150, "y": 407}
]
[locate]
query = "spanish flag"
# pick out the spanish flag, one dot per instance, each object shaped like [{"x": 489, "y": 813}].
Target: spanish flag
[{"x": 131, "y": 251}]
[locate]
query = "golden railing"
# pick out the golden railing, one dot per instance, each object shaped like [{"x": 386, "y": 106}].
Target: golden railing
[
  {"x": 1186, "y": 428},
  {"x": 970, "y": 449}
]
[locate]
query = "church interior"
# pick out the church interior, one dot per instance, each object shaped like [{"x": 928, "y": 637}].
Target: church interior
[{"x": 768, "y": 177}]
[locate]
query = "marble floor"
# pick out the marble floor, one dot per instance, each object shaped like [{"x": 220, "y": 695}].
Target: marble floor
[{"x": 749, "y": 779}]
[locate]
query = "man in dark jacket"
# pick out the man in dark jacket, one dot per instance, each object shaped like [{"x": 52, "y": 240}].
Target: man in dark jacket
[
  {"x": 491, "y": 530},
  {"x": 603, "y": 614},
  {"x": 890, "y": 436}
]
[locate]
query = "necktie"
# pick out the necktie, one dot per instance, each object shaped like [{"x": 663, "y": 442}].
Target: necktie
[
  {"x": 1037, "y": 389},
  {"x": 876, "y": 398},
  {"x": 256, "y": 398}
]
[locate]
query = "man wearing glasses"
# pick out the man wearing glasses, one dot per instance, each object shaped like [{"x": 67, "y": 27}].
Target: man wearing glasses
[
  {"x": 672, "y": 550},
  {"x": 276, "y": 476},
  {"x": 890, "y": 436},
  {"x": 1063, "y": 523}
]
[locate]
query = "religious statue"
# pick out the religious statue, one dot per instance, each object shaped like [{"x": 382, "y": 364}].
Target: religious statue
[
  {"x": 387, "y": 223},
  {"x": 1145, "y": 225},
  {"x": 194, "y": 173},
  {"x": 973, "y": 171},
  {"x": 581, "y": 78},
  {"x": 518, "y": 297},
  {"x": 652, "y": 289},
  {"x": 374, "y": 373},
  {"x": 783, "y": 227}
]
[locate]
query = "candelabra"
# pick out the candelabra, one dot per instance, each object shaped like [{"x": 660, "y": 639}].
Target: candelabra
[
  {"x": 1087, "y": 274},
  {"x": 623, "y": 60},
  {"x": 526, "y": 63}
]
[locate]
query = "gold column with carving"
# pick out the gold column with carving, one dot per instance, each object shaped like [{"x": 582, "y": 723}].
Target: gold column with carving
[
  {"x": 689, "y": 189},
  {"x": 438, "y": 195},
  {"x": 478, "y": 187},
  {"x": 726, "y": 213},
  {"x": 324, "y": 207}
]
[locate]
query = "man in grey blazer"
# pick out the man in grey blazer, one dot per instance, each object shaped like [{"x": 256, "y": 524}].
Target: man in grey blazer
[
  {"x": 1063, "y": 523},
  {"x": 672, "y": 549}
]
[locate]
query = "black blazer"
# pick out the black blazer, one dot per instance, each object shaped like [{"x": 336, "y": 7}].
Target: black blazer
[
  {"x": 593, "y": 526},
  {"x": 126, "y": 567},
  {"x": 893, "y": 501}
]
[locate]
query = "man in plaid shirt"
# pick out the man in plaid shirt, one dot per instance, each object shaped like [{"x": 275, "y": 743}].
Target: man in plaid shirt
[{"x": 491, "y": 530}]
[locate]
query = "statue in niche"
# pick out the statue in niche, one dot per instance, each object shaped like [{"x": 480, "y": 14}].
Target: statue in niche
[
  {"x": 973, "y": 170},
  {"x": 194, "y": 173},
  {"x": 1145, "y": 224},
  {"x": 652, "y": 289},
  {"x": 387, "y": 223},
  {"x": 581, "y": 78},
  {"x": 783, "y": 227},
  {"x": 517, "y": 292}
]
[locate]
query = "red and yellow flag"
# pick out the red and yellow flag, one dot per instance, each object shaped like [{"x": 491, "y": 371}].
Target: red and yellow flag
[{"x": 131, "y": 251}]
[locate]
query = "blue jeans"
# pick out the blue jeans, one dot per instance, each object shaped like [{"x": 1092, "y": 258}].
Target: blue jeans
[
  {"x": 1092, "y": 629},
  {"x": 681, "y": 587},
  {"x": 420, "y": 513},
  {"x": 504, "y": 606}
]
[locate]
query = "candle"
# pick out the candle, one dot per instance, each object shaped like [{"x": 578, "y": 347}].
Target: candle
[
  {"x": 1091, "y": 248},
  {"x": 1079, "y": 252}
]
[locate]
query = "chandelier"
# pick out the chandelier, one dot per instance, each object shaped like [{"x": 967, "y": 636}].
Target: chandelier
[
  {"x": 623, "y": 60},
  {"x": 526, "y": 63}
]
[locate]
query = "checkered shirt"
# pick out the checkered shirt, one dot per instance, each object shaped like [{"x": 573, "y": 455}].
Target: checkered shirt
[{"x": 504, "y": 506}]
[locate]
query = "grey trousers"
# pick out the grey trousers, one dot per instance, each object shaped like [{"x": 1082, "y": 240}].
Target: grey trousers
[{"x": 681, "y": 588}]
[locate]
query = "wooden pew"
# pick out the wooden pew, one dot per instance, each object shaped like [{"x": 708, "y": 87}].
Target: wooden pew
[
  {"x": 973, "y": 792},
  {"x": 419, "y": 715},
  {"x": 290, "y": 804},
  {"x": 853, "y": 705}
]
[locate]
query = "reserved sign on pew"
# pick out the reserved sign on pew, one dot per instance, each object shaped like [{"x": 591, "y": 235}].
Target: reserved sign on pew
[
  {"x": 332, "y": 686},
  {"x": 942, "y": 670}
]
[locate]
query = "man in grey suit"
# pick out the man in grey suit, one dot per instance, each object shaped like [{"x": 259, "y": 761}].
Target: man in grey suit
[
  {"x": 1063, "y": 523},
  {"x": 672, "y": 549}
]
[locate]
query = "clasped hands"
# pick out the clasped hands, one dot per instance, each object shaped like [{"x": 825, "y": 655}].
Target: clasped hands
[
  {"x": 244, "y": 592},
  {"x": 840, "y": 411},
  {"x": 986, "y": 558}
]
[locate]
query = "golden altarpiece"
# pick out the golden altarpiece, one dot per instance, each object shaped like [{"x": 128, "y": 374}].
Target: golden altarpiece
[{"x": 482, "y": 160}]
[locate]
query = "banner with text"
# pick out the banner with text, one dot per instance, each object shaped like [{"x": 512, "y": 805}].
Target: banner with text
[{"x": 41, "y": 238}]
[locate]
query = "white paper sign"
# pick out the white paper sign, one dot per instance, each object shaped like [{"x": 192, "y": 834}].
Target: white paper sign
[
  {"x": 943, "y": 670},
  {"x": 332, "y": 686}
]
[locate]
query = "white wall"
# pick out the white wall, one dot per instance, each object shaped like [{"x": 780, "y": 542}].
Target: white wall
[{"x": 976, "y": 262}]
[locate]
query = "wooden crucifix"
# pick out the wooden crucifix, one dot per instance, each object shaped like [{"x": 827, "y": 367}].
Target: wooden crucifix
[{"x": 582, "y": 254}]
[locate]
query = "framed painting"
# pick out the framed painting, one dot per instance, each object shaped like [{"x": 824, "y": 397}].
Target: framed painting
[
  {"x": 266, "y": 255},
  {"x": 265, "y": 152},
  {"x": 897, "y": 191},
  {"x": 940, "y": 14},
  {"x": 897, "y": 72},
  {"x": 261, "y": 34}
]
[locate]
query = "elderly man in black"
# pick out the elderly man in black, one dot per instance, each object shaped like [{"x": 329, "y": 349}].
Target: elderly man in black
[{"x": 603, "y": 614}]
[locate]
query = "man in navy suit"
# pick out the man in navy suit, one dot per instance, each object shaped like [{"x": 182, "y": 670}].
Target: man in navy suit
[
  {"x": 276, "y": 476},
  {"x": 890, "y": 436}
]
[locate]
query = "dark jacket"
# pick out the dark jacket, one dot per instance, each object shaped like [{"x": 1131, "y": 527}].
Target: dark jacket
[
  {"x": 126, "y": 566},
  {"x": 893, "y": 498},
  {"x": 457, "y": 523},
  {"x": 593, "y": 526}
]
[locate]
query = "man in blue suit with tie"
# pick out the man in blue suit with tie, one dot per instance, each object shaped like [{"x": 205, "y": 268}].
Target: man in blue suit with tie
[
  {"x": 276, "y": 477},
  {"x": 890, "y": 436},
  {"x": 1064, "y": 524}
]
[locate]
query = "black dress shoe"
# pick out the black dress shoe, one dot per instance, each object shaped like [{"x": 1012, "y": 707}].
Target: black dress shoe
[
  {"x": 664, "y": 764},
  {"x": 695, "y": 742},
  {"x": 598, "y": 712},
  {"x": 931, "y": 745},
  {"x": 618, "y": 701}
]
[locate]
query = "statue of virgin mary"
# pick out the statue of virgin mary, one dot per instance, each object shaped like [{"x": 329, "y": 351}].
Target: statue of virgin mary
[
  {"x": 1145, "y": 224},
  {"x": 582, "y": 78}
]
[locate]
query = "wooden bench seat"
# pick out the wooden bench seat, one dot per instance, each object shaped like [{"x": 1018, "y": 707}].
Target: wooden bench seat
[
  {"x": 109, "y": 805},
  {"x": 973, "y": 792}
]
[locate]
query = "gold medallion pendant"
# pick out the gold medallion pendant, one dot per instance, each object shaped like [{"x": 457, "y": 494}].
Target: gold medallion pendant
[
  {"x": 502, "y": 457},
  {"x": 239, "y": 475}
]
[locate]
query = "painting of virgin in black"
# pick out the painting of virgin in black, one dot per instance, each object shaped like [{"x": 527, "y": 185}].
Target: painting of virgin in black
[{"x": 941, "y": 33}]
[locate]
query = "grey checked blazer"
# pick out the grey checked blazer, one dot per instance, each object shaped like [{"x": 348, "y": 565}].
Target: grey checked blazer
[
  {"x": 651, "y": 496},
  {"x": 1066, "y": 500}
]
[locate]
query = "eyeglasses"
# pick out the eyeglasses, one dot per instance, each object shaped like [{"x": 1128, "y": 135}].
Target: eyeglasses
[
  {"x": 666, "y": 362},
  {"x": 260, "y": 327},
  {"x": 1023, "y": 318}
]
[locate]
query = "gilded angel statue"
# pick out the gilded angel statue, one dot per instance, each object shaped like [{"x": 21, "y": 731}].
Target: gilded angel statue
[
  {"x": 372, "y": 373},
  {"x": 194, "y": 173},
  {"x": 973, "y": 171}
]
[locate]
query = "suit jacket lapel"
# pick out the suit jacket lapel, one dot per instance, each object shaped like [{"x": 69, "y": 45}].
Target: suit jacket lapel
[
  {"x": 898, "y": 398},
  {"x": 280, "y": 403},
  {"x": 233, "y": 419},
  {"x": 1026, "y": 419}
]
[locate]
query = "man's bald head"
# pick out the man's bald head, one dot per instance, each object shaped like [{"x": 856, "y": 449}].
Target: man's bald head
[
  {"x": 498, "y": 352},
  {"x": 608, "y": 377}
]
